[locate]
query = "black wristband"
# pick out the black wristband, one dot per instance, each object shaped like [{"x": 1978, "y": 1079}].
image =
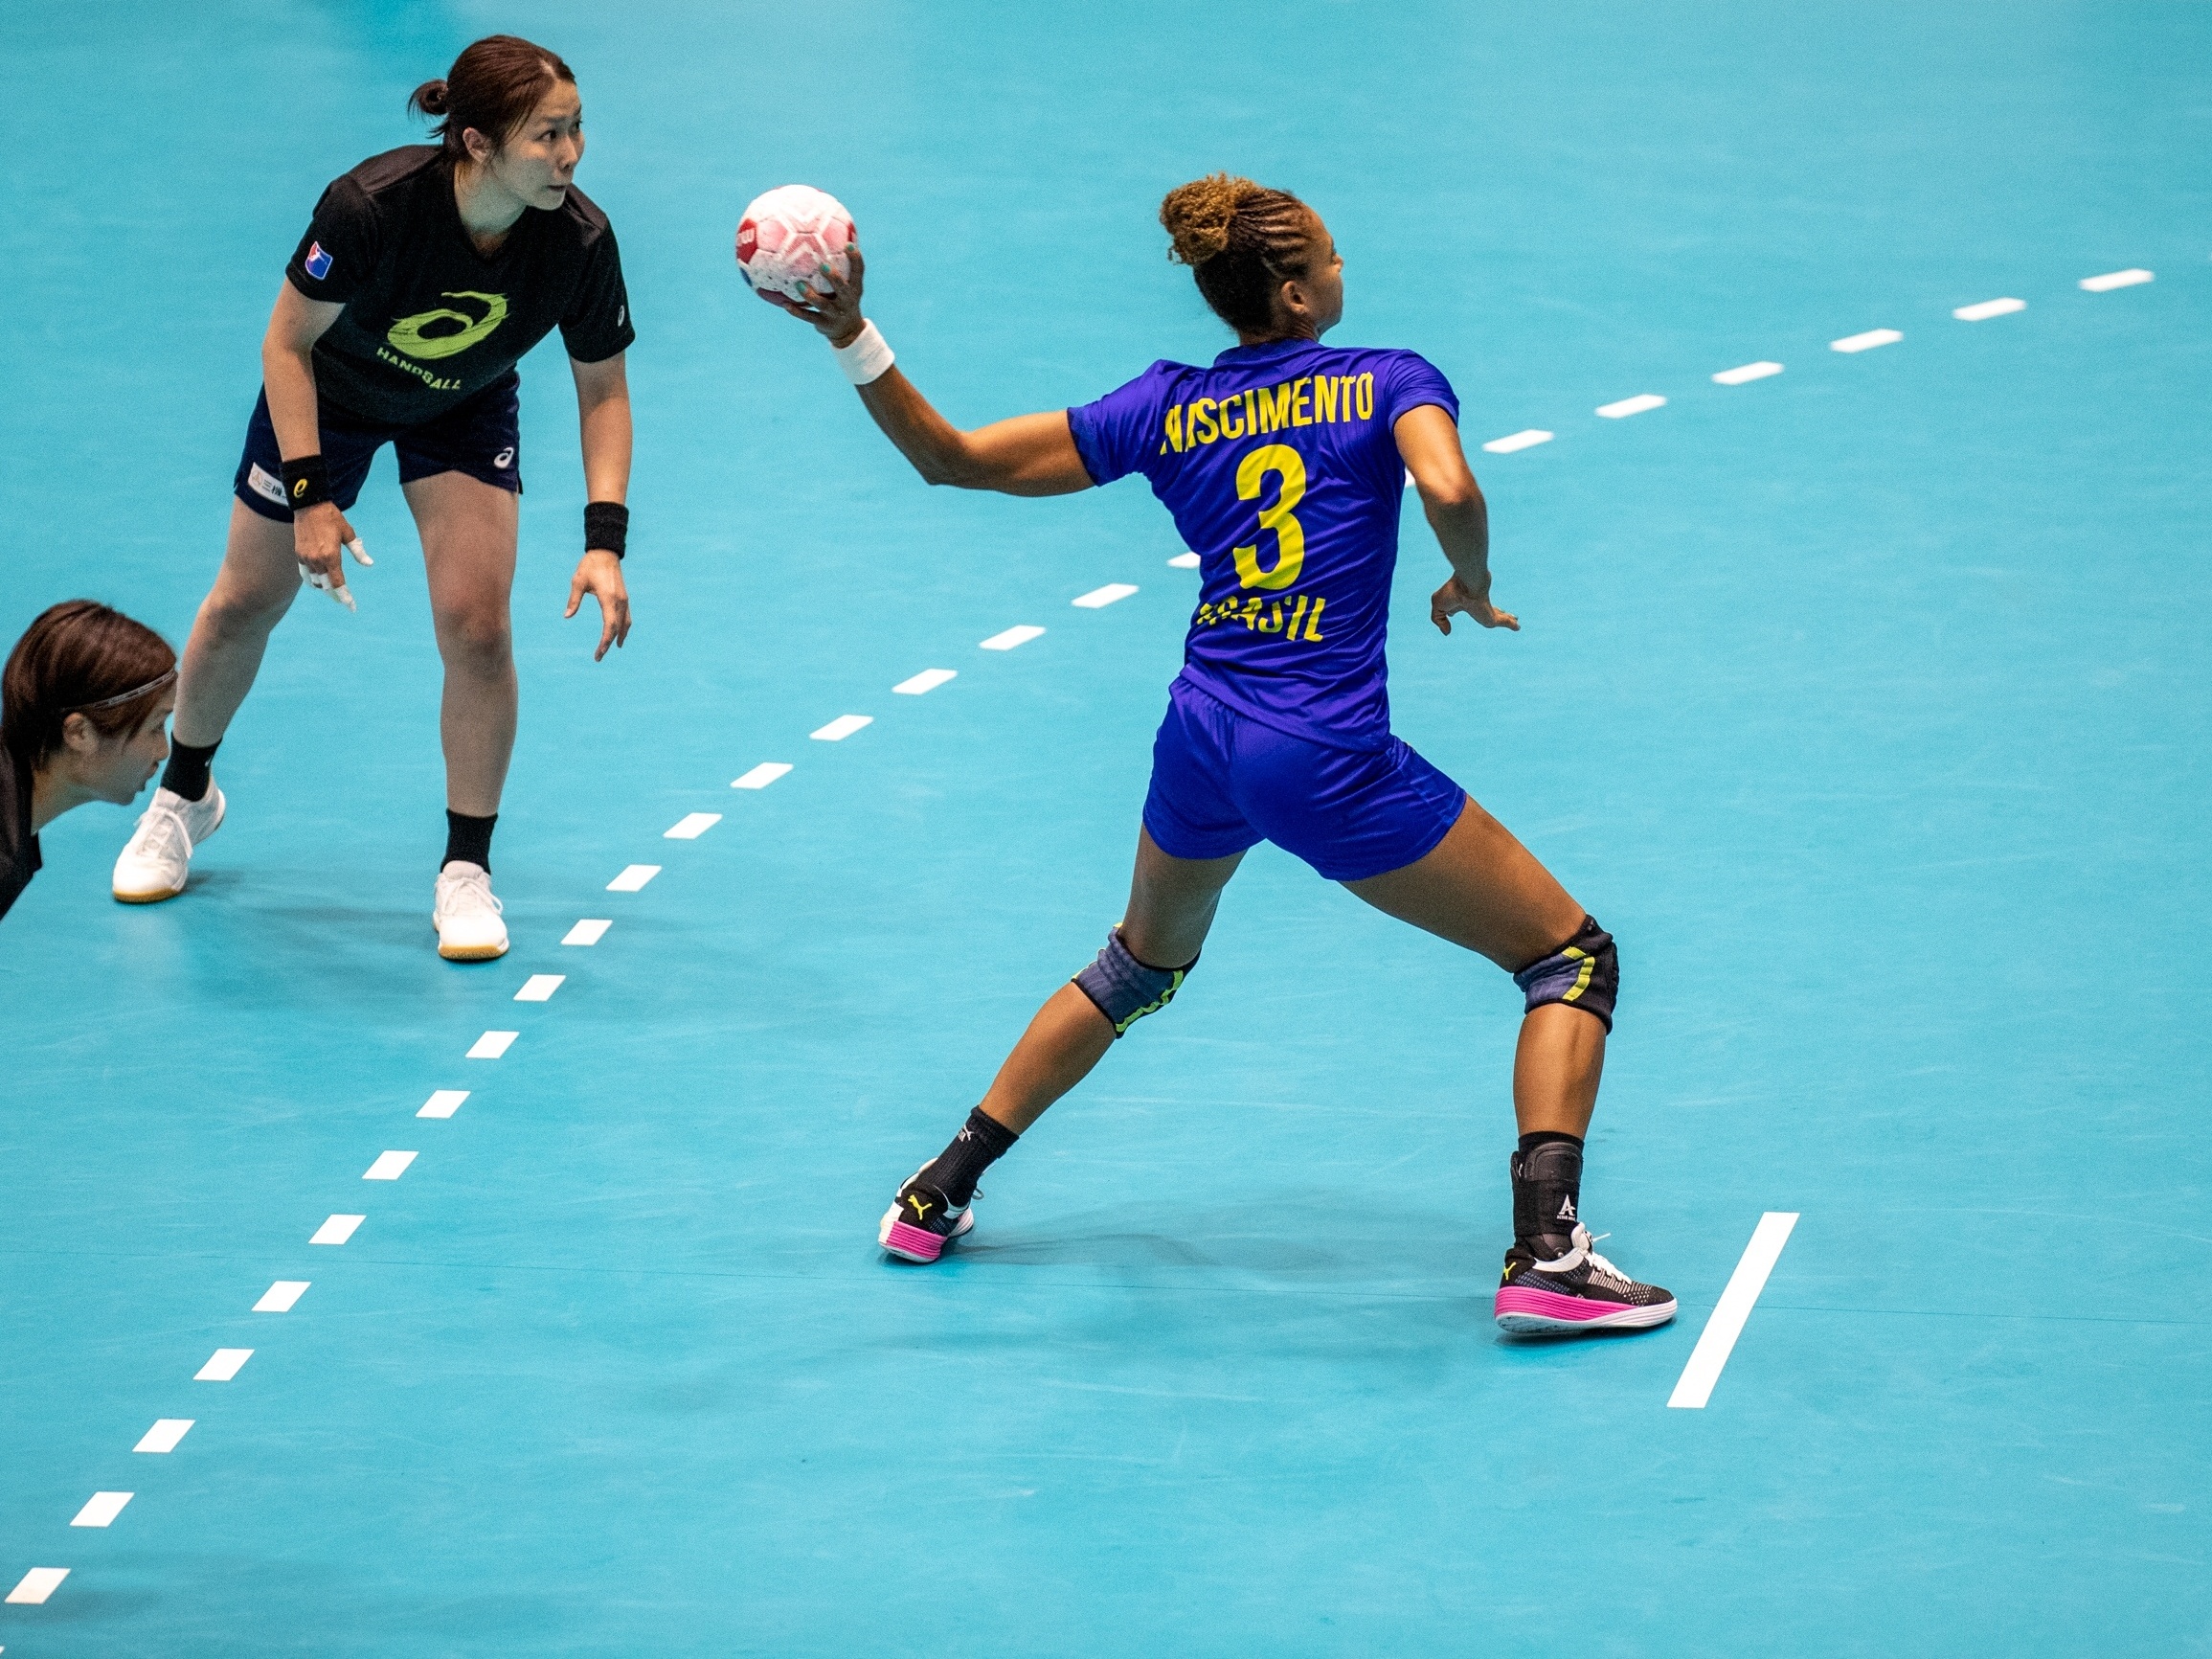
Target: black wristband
[
  {"x": 606, "y": 526},
  {"x": 306, "y": 483}
]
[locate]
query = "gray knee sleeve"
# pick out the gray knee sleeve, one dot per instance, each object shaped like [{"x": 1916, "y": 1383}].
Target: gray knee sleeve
[
  {"x": 1126, "y": 990},
  {"x": 1584, "y": 973}
]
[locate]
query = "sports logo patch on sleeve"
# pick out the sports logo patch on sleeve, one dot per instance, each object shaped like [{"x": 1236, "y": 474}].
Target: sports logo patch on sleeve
[{"x": 317, "y": 263}]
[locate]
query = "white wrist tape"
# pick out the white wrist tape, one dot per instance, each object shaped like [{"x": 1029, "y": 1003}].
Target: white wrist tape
[{"x": 867, "y": 359}]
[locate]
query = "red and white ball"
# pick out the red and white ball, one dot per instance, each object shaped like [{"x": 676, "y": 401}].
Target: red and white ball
[{"x": 787, "y": 236}]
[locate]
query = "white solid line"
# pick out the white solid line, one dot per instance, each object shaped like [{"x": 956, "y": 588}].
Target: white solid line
[
  {"x": 691, "y": 825},
  {"x": 38, "y": 1584},
  {"x": 633, "y": 877},
  {"x": 336, "y": 1230},
  {"x": 1988, "y": 309},
  {"x": 2112, "y": 280},
  {"x": 101, "y": 1509},
  {"x": 1627, "y": 406},
  {"x": 165, "y": 1432},
  {"x": 928, "y": 680},
  {"x": 1513, "y": 440},
  {"x": 225, "y": 1363},
  {"x": 840, "y": 728},
  {"x": 1726, "y": 1323},
  {"x": 491, "y": 1045},
  {"x": 539, "y": 988},
  {"x": 589, "y": 931},
  {"x": 443, "y": 1103},
  {"x": 388, "y": 1167},
  {"x": 1099, "y": 598},
  {"x": 1867, "y": 341},
  {"x": 762, "y": 776},
  {"x": 1748, "y": 373},
  {"x": 1008, "y": 639},
  {"x": 282, "y": 1296},
  {"x": 1185, "y": 562}
]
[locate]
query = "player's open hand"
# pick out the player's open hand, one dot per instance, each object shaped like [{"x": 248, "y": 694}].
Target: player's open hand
[
  {"x": 1456, "y": 598},
  {"x": 599, "y": 574},
  {"x": 321, "y": 540},
  {"x": 836, "y": 313}
]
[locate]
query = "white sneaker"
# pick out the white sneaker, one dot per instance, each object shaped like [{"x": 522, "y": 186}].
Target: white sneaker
[
  {"x": 467, "y": 915},
  {"x": 157, "y": 860}
]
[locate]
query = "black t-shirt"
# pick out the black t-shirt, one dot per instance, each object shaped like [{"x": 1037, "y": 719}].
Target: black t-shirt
[
  {"x": 19, "y": 846},
  {"x": 429, "y": 320}
]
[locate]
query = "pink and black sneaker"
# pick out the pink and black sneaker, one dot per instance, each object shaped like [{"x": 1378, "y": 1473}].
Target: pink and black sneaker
[
  {"x": 1580, "y": 1291},
  {"x": 919, "y": 1223}
]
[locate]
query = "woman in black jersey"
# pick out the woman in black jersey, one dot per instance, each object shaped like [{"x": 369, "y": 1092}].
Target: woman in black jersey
[{"x": 426, "y": 273}]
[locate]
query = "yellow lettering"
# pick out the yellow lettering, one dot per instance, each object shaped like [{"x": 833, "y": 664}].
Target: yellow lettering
[
  {"x": 1290, "y": 537},
  {"x": 1274, "y": 407},
  {"x": 1300, "y": 414},
  {"x": 1243, "y": 413},
  {"x": 1274, "y": 622},
  {"x": 1314, "y": 621},
  {"x": 1251, "y": 612},
  {"x": 1251, "y": 420},
  {"x": 1202, "y": 428},
  {"x": 1324, "y": 397},
  {"x": 1297, "y": 611},
  {"x": 1175, "y": 428},
  {"x": 1367, "y": 399}
]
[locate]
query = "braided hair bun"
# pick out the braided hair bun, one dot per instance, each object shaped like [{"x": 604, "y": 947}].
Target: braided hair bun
[{"x": 1242, "y": 241}]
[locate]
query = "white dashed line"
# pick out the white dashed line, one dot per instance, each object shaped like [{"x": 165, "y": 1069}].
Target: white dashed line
[
  {"x": 589, "y": 931},
  {"x": 633, "y": 877},
  {"x": 1185, "y": 562},
  {"x": 1513, "y": 440},
  {"x": 223, "y": 1365},
  {"x": 491, "y": 1045},
  {"x": 388, "y": 1167},
  {"x": 336, "y": 1230},
  {"x": 282, "y": 1296},
  {"x": 1627, "y": 406},
  {"x": 539, "y": 986},
  {"x": 38, "y": 1584},
  {"x": 2112, "y": 280},
  {"x": 443, "y": 1103},
  {"x": 1099, "y": 598},
  {"x": 840, "y": 728},
  {"x": 165, "y": 1432},
  {"x": 1011, "y": 637},
  {"x": 1867, "y": 341},
  {"x": 101, "y": 1509},
  {"x": 1726, "y": 1324},
  {"x": 691, "y": 825},
  {"x": 928, "y": 680},
  {"x": 762, "y": 776},
  {"x": 1988, "y": 309},
  {"x": 1745, "y": 374}
]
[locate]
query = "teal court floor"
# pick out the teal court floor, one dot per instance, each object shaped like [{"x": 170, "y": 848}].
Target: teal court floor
[{"x": 1865, "y": 702}]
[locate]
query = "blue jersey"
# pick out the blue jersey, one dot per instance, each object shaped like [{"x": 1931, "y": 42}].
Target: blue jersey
[{"x": 1282, "y": 473}]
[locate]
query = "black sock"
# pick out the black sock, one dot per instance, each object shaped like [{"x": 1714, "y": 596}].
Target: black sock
[
  {"x": 468, "y": 839},
  {"x": 186, "y": 771},
  {"x": 953, "y": 1172},
  {"x": 1547, "y": 1193}
]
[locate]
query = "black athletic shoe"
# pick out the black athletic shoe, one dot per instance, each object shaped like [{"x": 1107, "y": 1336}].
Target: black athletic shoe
[
  {"x": 919, "y": 1224},
  {"x": 1580, "y": 1291}
]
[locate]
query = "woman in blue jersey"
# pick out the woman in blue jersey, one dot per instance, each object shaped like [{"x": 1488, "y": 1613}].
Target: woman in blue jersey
[{"x": 1283, "y": 465}]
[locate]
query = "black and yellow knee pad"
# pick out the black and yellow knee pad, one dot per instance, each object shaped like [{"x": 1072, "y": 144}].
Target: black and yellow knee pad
[
  {"x": 1126, "y": 990},
  {"x": 1584, "y": 973}
]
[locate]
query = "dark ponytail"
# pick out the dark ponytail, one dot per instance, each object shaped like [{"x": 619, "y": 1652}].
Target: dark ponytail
[
  {"x": 492, "y": 86},
  {"x": 1242, "y": 241}
]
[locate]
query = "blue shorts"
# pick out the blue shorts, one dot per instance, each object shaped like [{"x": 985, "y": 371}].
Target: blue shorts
[
  {"x": 481, "y": 435},
  {"x": 1221, "y": 784}
]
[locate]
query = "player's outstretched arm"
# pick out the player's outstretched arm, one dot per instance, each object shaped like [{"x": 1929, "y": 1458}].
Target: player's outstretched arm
[
  {"x": 1027, "y": 455},
  {"x": 1429, "y": 443}
]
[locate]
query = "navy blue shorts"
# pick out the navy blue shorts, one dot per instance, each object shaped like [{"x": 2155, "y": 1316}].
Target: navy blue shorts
[
  {"x": 481, "y": 435},
  {"x": 1222, "y": 782}
]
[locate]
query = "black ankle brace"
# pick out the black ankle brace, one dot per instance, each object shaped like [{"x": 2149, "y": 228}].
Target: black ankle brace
[
  {"x": 954, "y": 1173},
  {"x": 1547, "y": 1193}
]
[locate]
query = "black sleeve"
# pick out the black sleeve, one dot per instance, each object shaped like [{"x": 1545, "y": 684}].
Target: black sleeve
[
  {"x": 598, "y": 322},
  {"x": 338, "y": 254}
]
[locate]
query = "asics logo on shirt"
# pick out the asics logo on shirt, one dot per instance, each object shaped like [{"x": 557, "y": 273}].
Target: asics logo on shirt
[{"x": 413, "y": 336}]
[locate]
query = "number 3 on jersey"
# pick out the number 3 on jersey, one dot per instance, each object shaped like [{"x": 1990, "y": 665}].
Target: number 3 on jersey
[{"x": 1290, "y": 535}]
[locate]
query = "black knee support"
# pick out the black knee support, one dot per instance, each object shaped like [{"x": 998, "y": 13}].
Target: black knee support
[
  {"x": 1584, "y": 973},
  {"x": 1126, "y": 990}
]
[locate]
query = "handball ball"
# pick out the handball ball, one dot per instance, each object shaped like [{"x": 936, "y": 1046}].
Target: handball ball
[{"x": 788, "y": 235}]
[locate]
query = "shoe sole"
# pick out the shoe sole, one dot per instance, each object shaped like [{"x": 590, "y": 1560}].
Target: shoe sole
[
  {"x": 1527, "y": 1311},
  {"x": 918, "y": 1244},
  {"x": 471, "y": 952},
  {"x": 123, "y": 898}
]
